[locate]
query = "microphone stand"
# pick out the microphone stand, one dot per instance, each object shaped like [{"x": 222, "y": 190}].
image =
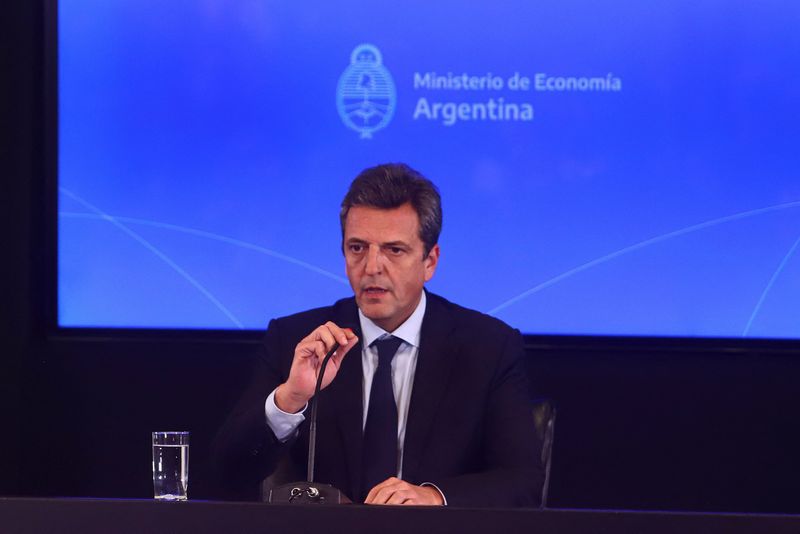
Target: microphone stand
[{"x": 309, "y": 492}]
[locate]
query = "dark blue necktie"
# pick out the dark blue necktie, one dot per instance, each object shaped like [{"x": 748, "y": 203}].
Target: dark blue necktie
[{"x": 380, "y": 431}]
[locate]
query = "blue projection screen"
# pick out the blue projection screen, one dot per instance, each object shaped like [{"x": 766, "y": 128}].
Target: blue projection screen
[{"x": 607, "y": 167}]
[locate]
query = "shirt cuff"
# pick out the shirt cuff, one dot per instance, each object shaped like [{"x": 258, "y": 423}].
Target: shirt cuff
[
  {"x": 434, "y": 486},
  {"x": 283, "y": 424}
]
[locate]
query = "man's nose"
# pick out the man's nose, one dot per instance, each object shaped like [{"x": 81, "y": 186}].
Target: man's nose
[{"x": 374, "y": 261}]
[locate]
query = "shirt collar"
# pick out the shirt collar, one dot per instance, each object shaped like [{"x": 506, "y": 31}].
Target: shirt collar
[{"x": 409, "y": 331}]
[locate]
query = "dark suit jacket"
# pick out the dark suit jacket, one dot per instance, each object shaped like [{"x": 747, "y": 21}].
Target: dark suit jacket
[{"x": 469, "y": 431}]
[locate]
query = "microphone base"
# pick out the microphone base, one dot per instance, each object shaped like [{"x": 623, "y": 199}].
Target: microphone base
[{"x": 306, "y": 493}]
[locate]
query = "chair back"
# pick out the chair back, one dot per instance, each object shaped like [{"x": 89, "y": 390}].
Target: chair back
[{"x": 544, "y": 420}]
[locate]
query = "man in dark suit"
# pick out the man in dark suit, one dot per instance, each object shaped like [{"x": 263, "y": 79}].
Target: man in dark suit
[{"x": 430, "y": 407}]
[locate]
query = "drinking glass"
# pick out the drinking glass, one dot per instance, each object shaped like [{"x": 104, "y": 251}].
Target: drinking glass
[{"x": 170, "y": 465}]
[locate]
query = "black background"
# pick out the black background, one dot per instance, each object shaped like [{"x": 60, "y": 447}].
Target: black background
[{"x": 642, "y": 424}]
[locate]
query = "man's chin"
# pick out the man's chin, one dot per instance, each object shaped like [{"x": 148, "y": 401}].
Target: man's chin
[{"x": 373, "y": 309}]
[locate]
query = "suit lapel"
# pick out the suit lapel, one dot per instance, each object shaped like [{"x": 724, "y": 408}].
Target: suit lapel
[
  {"x": 347, "y": 399},
  {"x": 435, "y": 362}
]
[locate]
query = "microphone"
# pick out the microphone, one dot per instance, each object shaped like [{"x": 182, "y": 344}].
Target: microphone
[
  {"x": 312, "y": 425},
  {"x": 309, "y": 492}
]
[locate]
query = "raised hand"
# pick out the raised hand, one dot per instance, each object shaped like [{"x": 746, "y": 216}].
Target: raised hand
[{"x": 293, "y": 394}]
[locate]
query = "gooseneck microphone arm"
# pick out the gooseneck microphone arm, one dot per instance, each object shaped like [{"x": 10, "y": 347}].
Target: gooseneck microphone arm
[
  {"x": 312, "y": 425},
  {"x": 309, "y": 492}
]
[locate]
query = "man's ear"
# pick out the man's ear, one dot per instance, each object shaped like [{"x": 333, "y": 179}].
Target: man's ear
[{"x": 431, "y": 261}]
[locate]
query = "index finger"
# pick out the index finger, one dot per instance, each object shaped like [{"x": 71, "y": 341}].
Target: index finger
[
  {"x": 324, "y": 336},
  {"x": 341, "y": 335}
]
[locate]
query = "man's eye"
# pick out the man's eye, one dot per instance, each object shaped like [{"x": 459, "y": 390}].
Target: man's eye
[
  {"x": 356, "y": 248},
  {"x": 395, "y": 250}
]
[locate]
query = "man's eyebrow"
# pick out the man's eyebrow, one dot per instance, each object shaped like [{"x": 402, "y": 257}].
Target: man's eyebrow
[{"x": 398, "y": 243}]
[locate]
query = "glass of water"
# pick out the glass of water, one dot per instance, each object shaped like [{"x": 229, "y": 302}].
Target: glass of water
[{"x": 170, "y": 465}]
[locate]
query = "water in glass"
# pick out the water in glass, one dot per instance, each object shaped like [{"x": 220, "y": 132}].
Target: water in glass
[{"x": 170, "y": 471}]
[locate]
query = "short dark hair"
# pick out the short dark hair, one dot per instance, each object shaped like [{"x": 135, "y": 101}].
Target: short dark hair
[{"x": 390, "y": 186}]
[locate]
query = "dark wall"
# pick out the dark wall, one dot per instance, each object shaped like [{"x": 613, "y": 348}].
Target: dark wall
[
  {"x": 639, "y": 426},
  {"x": 104, "y": 397},
  {"x": 673, "y": 429},
  {"x": 20, "y": 88}
]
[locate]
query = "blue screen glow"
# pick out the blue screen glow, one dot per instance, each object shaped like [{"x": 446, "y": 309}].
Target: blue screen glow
[{"x": 606, "y": 167}]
